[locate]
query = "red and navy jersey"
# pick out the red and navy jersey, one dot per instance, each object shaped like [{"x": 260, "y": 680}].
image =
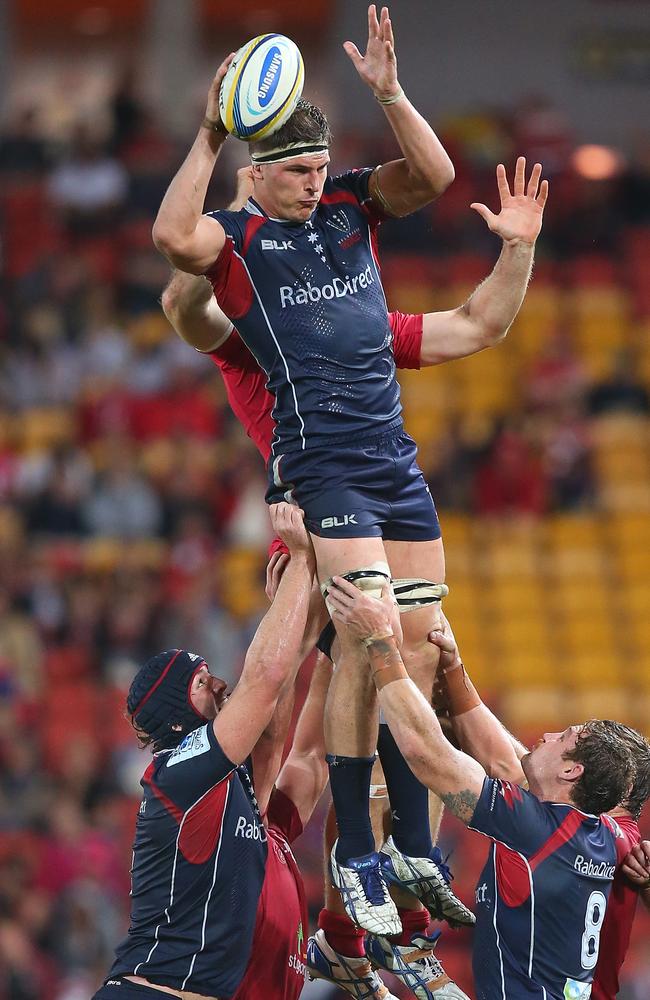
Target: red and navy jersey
[
  {"x": 198, "y": 868},
  {"x": 542, "y": 896},
  {"x": 245, "y": 382},
  {"x": 276, "y": 970},
  {"x": 621, "y": 907},
  {"x": 307, "y": 300}
]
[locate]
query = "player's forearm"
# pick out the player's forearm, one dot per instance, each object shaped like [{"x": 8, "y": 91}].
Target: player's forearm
[
  {"x": 190, "y": 306},
  {"x": 481, "y": 735},
  {"x": 494, "y": 305},
  {"x": 274, "y": 654},
  {"x": 478, "y": 731},
  {"x": 451, "y": 774},
  {"x": 182, "y": 206},
  {"x": 309, "y": 737},
  {"x": 429, "y": 170}
]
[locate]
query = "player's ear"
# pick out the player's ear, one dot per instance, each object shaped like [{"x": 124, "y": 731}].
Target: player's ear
[
  {"x": 258, "y": 171},
  {"x": 572, "y": 770}
]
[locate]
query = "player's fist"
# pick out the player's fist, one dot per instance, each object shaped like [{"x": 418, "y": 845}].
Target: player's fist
[
  {"x": 636, "y": 866},
  {"x": 289, "y": 523}
]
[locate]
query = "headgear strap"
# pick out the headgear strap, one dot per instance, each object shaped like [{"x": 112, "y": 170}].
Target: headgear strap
[{"x": 289, "y": 152}]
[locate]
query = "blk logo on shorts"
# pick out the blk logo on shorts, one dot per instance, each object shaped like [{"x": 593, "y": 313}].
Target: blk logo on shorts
[{"x": 338, "y": 522}]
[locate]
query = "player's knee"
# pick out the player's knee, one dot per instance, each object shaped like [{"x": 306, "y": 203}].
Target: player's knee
[{"x": 371, "y": 580}]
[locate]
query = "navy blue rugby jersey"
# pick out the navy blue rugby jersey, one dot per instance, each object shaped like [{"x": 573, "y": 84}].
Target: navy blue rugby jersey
[
  {"x": 198, "y": 867},
  {"x": 307, "y": 300},
  {"x": 542, "y": 896}
]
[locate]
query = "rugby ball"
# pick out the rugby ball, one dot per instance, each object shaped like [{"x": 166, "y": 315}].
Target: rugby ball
[{"x": 262, "y": 87}]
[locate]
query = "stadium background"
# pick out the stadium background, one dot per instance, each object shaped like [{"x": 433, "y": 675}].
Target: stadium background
[{"x": 131, "y": 513}]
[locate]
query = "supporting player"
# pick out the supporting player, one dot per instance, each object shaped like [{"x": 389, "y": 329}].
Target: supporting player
[
  {"x": 217, "y": 900},
  {"x": 553, "y": 855},
  {"x": 481, "y": 735},
  {"x": 297, "y": 271}
]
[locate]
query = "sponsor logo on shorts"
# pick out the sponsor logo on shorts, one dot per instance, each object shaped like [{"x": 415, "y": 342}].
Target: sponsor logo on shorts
[
  {"x": 249, "y": 830},
  {"x": 586, "y": 866},
  {"x": 339, "y": 522},
  {"x": 338, "y": 288}
]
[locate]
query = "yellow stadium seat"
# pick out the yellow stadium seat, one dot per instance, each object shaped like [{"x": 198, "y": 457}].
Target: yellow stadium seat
[
  {"x": 42, "y": 428},
  {"x": 588, "y": 669},
  {"x": 602, "y": 703},
  {"x": 573, "y": 530},
  {"x": 535, "y": 709},
  {"x": 525, "y": 669}
]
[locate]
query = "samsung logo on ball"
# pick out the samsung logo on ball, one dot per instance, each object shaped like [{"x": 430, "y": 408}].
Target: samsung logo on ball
[{"x": 269, "y": 76}]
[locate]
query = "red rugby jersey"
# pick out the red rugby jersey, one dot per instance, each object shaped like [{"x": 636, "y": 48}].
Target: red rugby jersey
[
  {"x": 276, "y": 968},
  {"x": 619, "y": 916},
  {"x": 245, "y": 381}
]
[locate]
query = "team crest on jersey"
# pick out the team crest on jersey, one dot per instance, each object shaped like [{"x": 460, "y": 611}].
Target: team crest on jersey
[
  {"x": 194, "y": 744},
  {"x": 339, "y": 221}
]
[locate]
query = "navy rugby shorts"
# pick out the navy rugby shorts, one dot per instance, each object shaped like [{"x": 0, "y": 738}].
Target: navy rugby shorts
[
  {"x": 122, "y": 989},
  {"x": 367, "y": 490}
]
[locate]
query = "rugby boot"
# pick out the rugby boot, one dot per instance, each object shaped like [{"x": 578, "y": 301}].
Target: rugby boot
[
  {"x": 428, "y": 879},
  {"x": 364, "y": 893},
  {"x": 354, "y": 975},
  {"x": 415, "y": 965}
]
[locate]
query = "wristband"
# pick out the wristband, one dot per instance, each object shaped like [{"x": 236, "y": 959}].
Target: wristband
[
  {"x": 390, "y": 667},
  {"x": 461, "y": 693},
  {"x": 215, "y": 126},
  {"x": 390, "y": 100}
]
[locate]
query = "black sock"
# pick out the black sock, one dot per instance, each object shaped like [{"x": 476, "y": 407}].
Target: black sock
[
  {"x": 409, "y": 799},
  {"x": 350, "y": 784}
]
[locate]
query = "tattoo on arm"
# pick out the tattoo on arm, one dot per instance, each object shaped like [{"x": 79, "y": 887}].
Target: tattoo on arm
[{"x": 462, "y": 804}]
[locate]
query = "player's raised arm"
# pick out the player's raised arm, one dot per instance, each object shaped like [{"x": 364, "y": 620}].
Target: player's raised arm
[
  {"x": 636, "y": 868},
  {"x": 476, "y": 728},
  {"x": 489, "y": 312},
  {"x": 401, "y": 186},
  {"x": 454, "y": 776},
  {"x": 274, "y": 656},
  {"x": 190, "y": 240}
]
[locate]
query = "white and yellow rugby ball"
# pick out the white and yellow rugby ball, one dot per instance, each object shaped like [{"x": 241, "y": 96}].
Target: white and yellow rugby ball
[{"x": 262, "y": 87}]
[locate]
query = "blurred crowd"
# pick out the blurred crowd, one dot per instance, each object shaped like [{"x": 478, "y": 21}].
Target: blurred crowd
[{"x": 131, "y": 504}]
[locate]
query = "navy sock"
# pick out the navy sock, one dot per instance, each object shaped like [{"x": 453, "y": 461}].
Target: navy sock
[
  {"x": 409, "y": 800},
  {"x": 350, "y": 784}
]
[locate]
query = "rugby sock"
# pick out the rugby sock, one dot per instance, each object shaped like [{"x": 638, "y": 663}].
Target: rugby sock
[
  {"x": 413, "y": 922},
  {"x": 342, "y": 935},
  {"x": 350, "y": 784},
  {"x": 409, "y": 800}
]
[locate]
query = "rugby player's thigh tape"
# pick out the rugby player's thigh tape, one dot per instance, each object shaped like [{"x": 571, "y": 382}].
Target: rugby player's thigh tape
[{"x": 371, "y": 580}]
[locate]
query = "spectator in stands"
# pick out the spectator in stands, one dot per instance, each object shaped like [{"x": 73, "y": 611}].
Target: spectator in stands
[
  {"x": 124, "y": 504},
  {"x": 511, "y": 480},
  {"x": 620, "y": 392},
  {"x": 89, "y": 186}
]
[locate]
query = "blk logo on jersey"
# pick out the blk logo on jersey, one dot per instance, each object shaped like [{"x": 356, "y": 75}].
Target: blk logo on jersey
[{"x": 277, "y": 245}]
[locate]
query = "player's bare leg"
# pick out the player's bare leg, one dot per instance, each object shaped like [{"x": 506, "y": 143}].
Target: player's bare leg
[
  {"x": 351, "y": 726},
  {"x": 409, "y": 853}
]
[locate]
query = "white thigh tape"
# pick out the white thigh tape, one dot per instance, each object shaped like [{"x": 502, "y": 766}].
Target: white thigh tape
[
  {"x": 371, "y": 580},
  {"x": 378, "y": 792},
  {"x": 414, "y": 593}
]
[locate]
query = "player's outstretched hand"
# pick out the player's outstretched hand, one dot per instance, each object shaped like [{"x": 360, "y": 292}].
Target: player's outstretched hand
[
  {"x": 289, "y": 523},
  {"x": 445, "y": 640},
  {"x": 378, "y": 67},
  {"x": 363, "y": 614},
  {"x": 274, "y": 570},
  {"x": 212, "y": 106},
  {"x": 520, "y": 217},
  {"x": 636, "y": 866}
]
